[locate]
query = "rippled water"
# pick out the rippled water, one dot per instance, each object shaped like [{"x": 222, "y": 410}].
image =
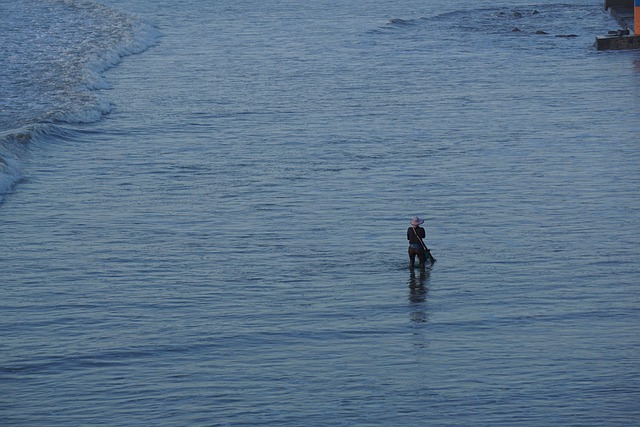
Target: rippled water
[{"x": 227, "y": 245}]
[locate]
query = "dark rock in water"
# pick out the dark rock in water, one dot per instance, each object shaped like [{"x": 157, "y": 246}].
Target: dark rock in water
[
  {"x": 619, "y": 33},
  {"x": 535, "y": 12},
  {"x": 566, "y": 35},
  {"x": 541, "y": 32},
  {"x": 515, "y": 30},
  {"x": 517, "y": 15}
]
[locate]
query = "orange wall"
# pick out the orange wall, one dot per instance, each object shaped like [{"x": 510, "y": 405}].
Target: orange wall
[{"x": 636, "y": 19}]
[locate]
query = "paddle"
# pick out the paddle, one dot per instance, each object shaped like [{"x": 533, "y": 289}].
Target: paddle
[{"x": 431, "y": 258}]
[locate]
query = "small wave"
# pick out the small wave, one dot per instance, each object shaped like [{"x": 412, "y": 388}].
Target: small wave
[
  {"x": 130, "y": 35},
  {"x": 14, "y": 145},
  {"x": 401, "y": 22},
  {"x": 55, "y": 64},
  {"x": 121, "y": 36},
  {"x": 9, "y": 176},
  {"x": 54, "y": 74}
]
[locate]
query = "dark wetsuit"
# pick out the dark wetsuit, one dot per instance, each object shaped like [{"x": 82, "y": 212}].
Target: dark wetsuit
[{"x": 415, "y": 247}]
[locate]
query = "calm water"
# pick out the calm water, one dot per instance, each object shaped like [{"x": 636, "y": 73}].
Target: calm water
[{"x": 211, "y": 232}]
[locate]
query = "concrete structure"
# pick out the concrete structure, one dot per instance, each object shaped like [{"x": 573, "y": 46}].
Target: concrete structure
[
  {"x": 623, "y": 11},
  {"x": 627, "y": 13}
]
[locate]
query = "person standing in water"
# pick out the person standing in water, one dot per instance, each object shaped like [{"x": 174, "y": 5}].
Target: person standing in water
[{"x": 417, "y": 247}]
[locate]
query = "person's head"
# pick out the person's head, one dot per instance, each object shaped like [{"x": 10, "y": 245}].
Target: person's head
[{"x": 416, "y": 221}]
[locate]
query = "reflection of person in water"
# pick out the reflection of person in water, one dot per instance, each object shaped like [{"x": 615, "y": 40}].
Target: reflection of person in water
[
  {"x": 418, "y": 295},
  {"x": 417, "y": 286}
]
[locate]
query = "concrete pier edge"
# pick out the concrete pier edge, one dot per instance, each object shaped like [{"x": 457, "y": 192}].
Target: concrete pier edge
[{"x": 623, "y": 12}]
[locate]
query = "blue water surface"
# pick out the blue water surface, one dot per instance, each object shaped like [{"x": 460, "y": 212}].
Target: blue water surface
[{"x": 204, "y": 208}]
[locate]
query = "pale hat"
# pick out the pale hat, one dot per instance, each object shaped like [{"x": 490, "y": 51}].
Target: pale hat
[{"x": 417, "y": 221}]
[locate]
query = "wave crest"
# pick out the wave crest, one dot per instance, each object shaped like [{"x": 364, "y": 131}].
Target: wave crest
[{"x": 54, "y": 73}]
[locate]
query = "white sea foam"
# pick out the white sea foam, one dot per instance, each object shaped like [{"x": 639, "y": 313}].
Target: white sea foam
[{"x": 57, "y": 53}]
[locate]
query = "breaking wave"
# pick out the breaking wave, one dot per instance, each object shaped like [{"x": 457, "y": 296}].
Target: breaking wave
[{"x": 56, "y": 53}]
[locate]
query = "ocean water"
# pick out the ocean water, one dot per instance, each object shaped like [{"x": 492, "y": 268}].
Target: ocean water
[{"x": 204, "y": 205}]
